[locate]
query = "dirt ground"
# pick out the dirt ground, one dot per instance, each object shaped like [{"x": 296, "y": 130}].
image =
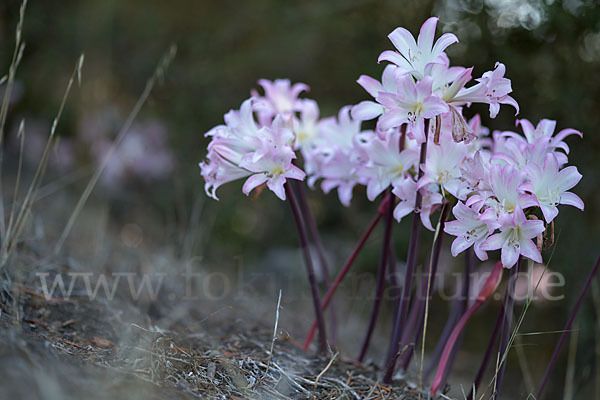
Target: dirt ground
[{"x": 58, "y": 348}]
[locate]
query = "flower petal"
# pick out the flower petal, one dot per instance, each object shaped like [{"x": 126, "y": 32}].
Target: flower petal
[
  {"x": 372, "y": 86},
  {"x": 494, "y": 242},
  {"x": 571, "y": 199},
  {"x": 402, "y": 209},
  {"x": 443, "y": 42},
  {"x": 427, "y": 33},
  {"x": 345, "y": 194},
  {"x": 391, "y": 120},
  {"x": 459, "y": 245},
  {"x": 567, "y": 178},
  {"x": 530, "y": 250},
  {"x": 550, "y": 212},
  {"x": 433, "y": 106},
  {"x": 394, "y": 58},
  {"x": 481, "y": 254},
  {"x": 294, "y": 172},
  {"x": 426, "y": 219},
  {"x": 403, "y": 40},
  {"x": 276, "y": 186},
  {"x": 454, "y": 228},
  {"x": 366, "y": 110},
  {"x": 252, "y": 182},
  {"x": 510, "y": 254}
]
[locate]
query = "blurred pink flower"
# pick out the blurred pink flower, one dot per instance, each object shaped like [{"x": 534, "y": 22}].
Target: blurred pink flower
[
  {"x": 241, "y": 148},
  {"x": 534, "y": 284},
  {"x": 281, "y": 97}
]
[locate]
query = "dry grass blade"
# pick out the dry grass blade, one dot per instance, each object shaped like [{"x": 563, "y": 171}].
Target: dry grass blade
[
  {"x": 12, "y": 70},
  {"x": 12, "y": 236},
  {"x": 524, "y": 364},
  {"x": 9, "y": 79},
  {"x": 21, "y": 136},
  {"x": 515, "y": 331},
  {"x": 329, "y": 364},
  {"x": 274, "y": 336},
  {"x": 156, "y": 76},
  {"x": 60, "y": 183}
]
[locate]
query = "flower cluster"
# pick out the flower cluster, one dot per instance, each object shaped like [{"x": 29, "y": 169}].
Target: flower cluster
[
  {"x": 508, "y": 181},
  {"x": 260, "y": 150},
  {"x": 422, "y": 146}
]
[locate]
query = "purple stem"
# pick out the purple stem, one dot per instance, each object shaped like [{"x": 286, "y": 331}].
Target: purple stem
[
  {"x": 309, "y": 267},
  {"x": 393, "y": 267},
  {"x": 381, "y": 273},
  {"x": 486, "y": 291},
  {"x": 411, "y": 261},
  {"x": 509, "y": 305},
  {"x": 418, "y": 307},
  {"x": 458, "y": 308},
  {"x": 453, "y": 318},
  {"x": 346, "y": 267},
  {"x": 488, "y": 352},
  {"x": 393, "y": 278},
  {"x": 469, "y": 267},
  {"x": 567, "y": 330},
  {"x": 464, "y": 302},
  {"x": 313, "y": 234}
]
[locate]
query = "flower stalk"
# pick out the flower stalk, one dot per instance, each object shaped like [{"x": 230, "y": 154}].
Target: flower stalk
[
  {"x": 509, "y": 305},
  {"x": 381, "y": 273},
  {"x": 411, "y": 260},
  {"x": 462, "y": 305},
  {"x": 340, "y": 276},
  {"x": 488, "y": 353},
  {"x": 315, "y": 237},
  {"x": 488, "y": 288},
  {"x": 309, "y": 267},
  {"x": 417, "y": 314}
]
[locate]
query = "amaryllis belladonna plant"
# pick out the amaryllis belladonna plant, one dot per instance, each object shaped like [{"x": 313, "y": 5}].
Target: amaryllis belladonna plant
[{"x": 427, "y": 155}]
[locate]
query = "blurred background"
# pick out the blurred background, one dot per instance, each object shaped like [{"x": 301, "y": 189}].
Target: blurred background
[{"x": 551, "y": 49}]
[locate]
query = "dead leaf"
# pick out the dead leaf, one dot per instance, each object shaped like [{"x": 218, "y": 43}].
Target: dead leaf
[
  {"x": 100, "y": 342},
  {"x": 37, "y": 322},
  {"x": 68, "y": 322}
]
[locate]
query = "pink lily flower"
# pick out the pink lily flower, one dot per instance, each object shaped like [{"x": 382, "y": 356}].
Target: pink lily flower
[
  {"x": 516, "y": 232},
  {"x": 406, "y": 191},
  {"x": 385, "y": 164},
  {"x": 411, "y": 105},
  {"x": 335, "y": 156},
  {"x": 367, "y": 110},
  {"x": 281, "y": 97},
  {"x": 549, "y": 186},
  {"x": 469, "y": 231},
  {"x": 217, "y": 171},
  {"x": 506, "y": 196},
  {"x": 414, "y": 56},
  {"x": 443, "y": 167},
  {"x": 492, "y": 88},
  {"x": 305, "y": 128}
]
